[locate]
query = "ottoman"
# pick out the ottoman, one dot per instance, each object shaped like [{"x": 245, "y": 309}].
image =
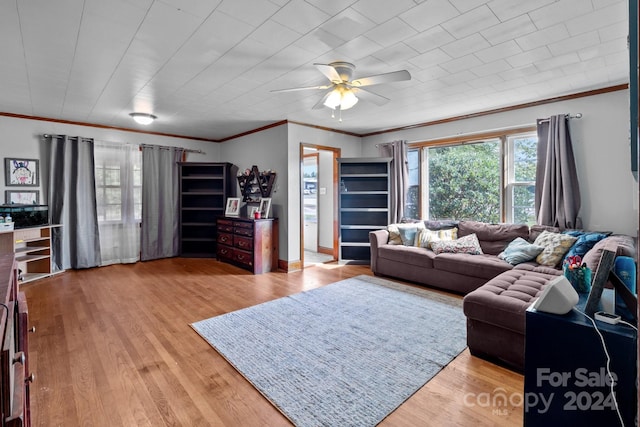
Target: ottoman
[{"x": 496, "y": 313}]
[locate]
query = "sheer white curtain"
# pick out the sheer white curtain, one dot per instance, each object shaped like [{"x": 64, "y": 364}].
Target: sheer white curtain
[{"x": 119, "y": 201}]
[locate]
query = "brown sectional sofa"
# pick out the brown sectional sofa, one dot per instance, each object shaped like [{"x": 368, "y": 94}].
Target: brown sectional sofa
[{"x": 497, "y": 293}]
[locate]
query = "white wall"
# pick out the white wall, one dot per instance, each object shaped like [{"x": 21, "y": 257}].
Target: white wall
[
  {"x": 350, "y": 146},
  {"x": 267, "y": 150},
  {"x": 600, "y": 142},
  {"x": 22, "y": 138}
]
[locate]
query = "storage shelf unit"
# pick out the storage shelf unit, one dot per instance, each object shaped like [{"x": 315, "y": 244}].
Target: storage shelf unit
[
  {"x": 204, "y": 188},
  {"x": 363, "y": 204},
  {"x": 32, "y": 249}
]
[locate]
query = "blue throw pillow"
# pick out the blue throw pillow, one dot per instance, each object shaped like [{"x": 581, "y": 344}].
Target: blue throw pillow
[
  {"x": 586, "y": 241},
  {"x": 519, "y": 251},
  {"x": 408, "y": 235}
]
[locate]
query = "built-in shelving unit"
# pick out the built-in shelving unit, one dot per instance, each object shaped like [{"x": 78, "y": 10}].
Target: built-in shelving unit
[
  {"x": 363, "y": 204},
  {"x": 32, "y": 249},
  {"x": 204, "y": 188}
]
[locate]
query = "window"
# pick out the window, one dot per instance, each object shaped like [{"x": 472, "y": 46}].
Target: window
[
  {"x": 118, "y": 184},
  {"x": 489, "y": 179}
]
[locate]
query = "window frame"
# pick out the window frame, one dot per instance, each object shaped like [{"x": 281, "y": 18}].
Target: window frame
[
  {"x": 510, "y": 182},
  {"x": 505, "y": 136}
]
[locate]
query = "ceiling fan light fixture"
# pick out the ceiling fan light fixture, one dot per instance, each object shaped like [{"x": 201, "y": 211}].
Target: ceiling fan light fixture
[
  {"x": 342, "y": 98},
  {"x": 143, "y": 118}
]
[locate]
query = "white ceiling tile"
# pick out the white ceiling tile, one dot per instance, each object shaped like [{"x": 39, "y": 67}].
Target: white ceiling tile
[
  {"x": 509, "y": 30},
  {"x": 471, "y": 22},
  {"x": 543, "y": 37},
  {"x": 380, "y": 11},
  {"x": 319, "y": 41},
  {"x": 332, "y": 7},
  {"x": 491, "y": 68},
  {"x": 300, "y": 16},
  {"x": 430, "y": 39},
  {"x": 430, "y": 59},
  {"x": 358, "y": 48},
  {"x": 509, "y": 9},
  {"x": 574, "y": 44},
  {"x": 485, "y": 82},
  {"x": 251, "y": 12},
  {"x": 558, "y": 12},
  {"x": 529, "y": 57},
  {"x": 429, "y": 14},
  {"x": 199, "y": 8},
  {"x": 503, "y": 50},
  {"x": 519, "y": 72},
  {"x": 603, "y": 49},
  {"x": 278, "y": 35},
  {"x": 457, "y": 78},
  {"x": 465, "y": 46},
  {"x": 510, "y": 84},
  {"x": 466, "y": 5},
  {"x": 612, "y": 32},
  {"x": 557, "y": 61},
  {"x": 348, "y": 24},
  {"x": 616, "y": 13},
  {"x": 598, "y": 4},
  {"x": 391, "y": 32},
  {"x": 544, "y": 77},
  {"x": 397, "y": 54},
  {"x": 461, "y": 64},
  {"x": 429, "y": 74}
]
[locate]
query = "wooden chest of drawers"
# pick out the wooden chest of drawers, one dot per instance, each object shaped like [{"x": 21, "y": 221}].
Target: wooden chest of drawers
[{"x": 248, "y": 243}]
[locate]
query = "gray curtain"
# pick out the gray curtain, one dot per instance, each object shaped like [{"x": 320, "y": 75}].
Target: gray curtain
[
  {"x": 557, "y": 198},
  {"x": 397, "y": 150},
  {"x": 72, "y": 202},
  {"x": 159, "y": 237}
]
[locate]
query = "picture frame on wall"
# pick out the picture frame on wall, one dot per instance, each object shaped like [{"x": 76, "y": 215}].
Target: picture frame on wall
[
  {"x": 21, "y": 172},
  {"x": 233, "y": 206},
  {"x": 264, "y": 207},
  {"x": 20, "y": 197}
]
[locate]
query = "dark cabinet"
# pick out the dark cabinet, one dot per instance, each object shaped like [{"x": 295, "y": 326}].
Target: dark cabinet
[
  {"x": 204, "y": 188},
  {"x": 248, "y": 243},
  {"x": 363, "y": 204}
]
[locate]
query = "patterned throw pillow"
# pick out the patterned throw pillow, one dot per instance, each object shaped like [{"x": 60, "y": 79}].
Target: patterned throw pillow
[
  {"x": 468, "y": 244},
  {"x": 426, "y": 236},
  {"x": 394, "y": 232},
  {"x": 519, "y": 251},
  {"x": 555, "y": 246}
]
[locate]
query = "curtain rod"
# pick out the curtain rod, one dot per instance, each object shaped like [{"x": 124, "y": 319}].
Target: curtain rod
[
  {"x": 568, "y": 116},
  {"x": 188, "y": 150}
]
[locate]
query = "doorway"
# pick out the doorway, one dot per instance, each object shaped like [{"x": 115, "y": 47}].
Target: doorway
[{"x": 318, "y": 207}]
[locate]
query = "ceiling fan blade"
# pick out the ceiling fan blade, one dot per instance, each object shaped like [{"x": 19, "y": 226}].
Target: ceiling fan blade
[
  {"x": 320, "y": 104},
  {"x": 395, "y": 76},
  {"x": 293, "y": 89},
  {"x": 329, "y": 72},
  {"x": 370, "y": 96}
]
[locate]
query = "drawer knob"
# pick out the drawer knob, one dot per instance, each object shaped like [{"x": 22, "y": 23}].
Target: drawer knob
[
  {"x": 32, "y": 329},
  {"x": 31, "y": 378},
  {"x": 19, "y": 358}
]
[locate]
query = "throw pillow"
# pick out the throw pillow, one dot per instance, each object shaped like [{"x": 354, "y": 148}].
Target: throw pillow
[
  {"x": 394, "y": 232},
  {"x": 408, "y": 235},
  {"x": 555, "y": 246},
  {"x": 426, "y": 236},
  {"x": 468, "y": 244},
  {"x": 519, "y": 251},
  {"x": 586, "y": 241}
]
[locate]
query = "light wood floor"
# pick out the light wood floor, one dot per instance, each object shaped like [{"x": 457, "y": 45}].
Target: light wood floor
[{"x": 113, "y": 347}]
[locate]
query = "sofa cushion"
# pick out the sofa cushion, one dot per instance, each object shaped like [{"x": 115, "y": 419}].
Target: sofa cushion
[
  {"x": 394, "y": 231},
  {"x": 407, "y": 255},
  {"x": 586, "y": 241},
  {"x": 426, "y": 236},
  {"x": 555, "y": 246},
  {"x": 464, "y": 245},
  {"x": 536, "y": 229},
  {"x": 503, "y": 300},
  {"x": 493, "y": 237},
  {"x": 625, "y": 244},
  {"x": 483, "y": 266},
  {"x": 520, "y": 251},
  {"x": 440, "y": 224}
]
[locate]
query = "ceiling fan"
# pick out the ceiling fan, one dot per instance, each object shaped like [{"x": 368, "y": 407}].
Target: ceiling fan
[{"x": 343, "y": 92}]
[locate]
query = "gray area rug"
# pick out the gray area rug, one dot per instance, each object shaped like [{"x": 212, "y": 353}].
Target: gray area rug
[{"x": 346, "y": 354}]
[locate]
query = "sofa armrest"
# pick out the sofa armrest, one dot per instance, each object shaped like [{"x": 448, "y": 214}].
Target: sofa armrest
[{"x": 376, "y": 239}]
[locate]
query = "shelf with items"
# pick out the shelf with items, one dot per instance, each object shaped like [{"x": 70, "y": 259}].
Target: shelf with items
[{"x": 255, "y": 185}]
